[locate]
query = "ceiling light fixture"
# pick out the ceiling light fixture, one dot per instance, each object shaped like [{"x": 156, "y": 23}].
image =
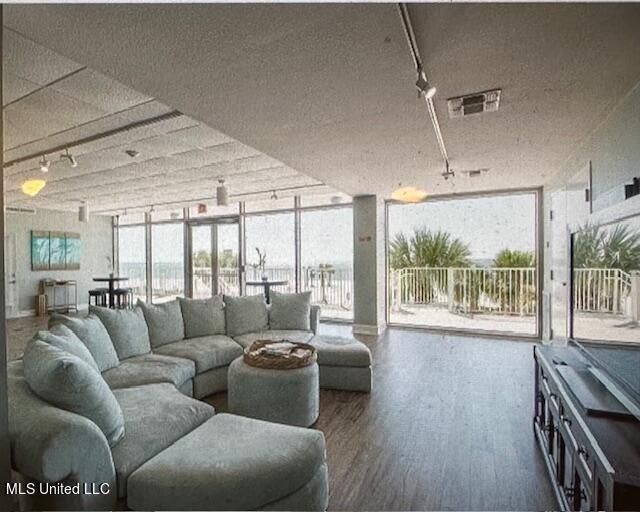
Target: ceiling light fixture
[
  {"x": 425, "y": 89},
  {"x": 222, "y": 194},
  {"x": 68, "y": 156},
  {"x": 83, "y": 212},
  {"x": 33, "y": 187},
  {"x": 132, "y": 153},
  {"x": 408, "y": 195},
  {"x": 423, "y": 85},
  {"x": 274, "y": 195},
  {"x": 44, "y": 164}
]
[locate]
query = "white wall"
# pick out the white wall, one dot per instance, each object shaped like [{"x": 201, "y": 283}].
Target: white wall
[
  {"x": 614, "y": 152},
  {"x": 96, "y": 237}
]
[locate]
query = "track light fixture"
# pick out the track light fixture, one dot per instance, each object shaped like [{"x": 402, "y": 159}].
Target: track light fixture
[
  {"x": 274, "y": 195},
  {"x": 68, "y": 156},
  {"x": 44, "y": 164},
  {"x": 222, "y": 194},
  {"x": 423, "y": 85}
]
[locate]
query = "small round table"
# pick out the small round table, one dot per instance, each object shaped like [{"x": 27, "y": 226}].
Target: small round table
[
  {"x": 289, "y": 396},
  {"x": 266, "y": 284}
]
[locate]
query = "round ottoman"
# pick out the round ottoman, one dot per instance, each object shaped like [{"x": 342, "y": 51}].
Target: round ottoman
[{"x": 281, "y": 396}]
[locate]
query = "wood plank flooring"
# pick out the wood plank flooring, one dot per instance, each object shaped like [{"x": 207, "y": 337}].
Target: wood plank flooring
[{"x": 447, "y": 426}]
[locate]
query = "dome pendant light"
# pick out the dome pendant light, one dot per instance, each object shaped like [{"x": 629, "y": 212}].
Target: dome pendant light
[
  {"x": 33, "y": 187},
  {"x": 83, "y": 212},
  {"x": 222, "y": 194}
]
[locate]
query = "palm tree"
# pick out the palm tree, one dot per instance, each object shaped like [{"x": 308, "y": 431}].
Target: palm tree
[
  {"x": 595, "y": 247},
  {"x": 428, "y": 249},
  {"x": 509, "y": 286},
  {"x": 514, "y": 259}
]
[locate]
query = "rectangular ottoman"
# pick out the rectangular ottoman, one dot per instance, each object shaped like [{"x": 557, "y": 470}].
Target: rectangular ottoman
[
  {"x": 235, "y": 463},
  {"x": 345, "y": 363}
]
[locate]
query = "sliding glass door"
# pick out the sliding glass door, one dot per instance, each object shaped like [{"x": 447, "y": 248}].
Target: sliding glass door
[
  {"x": 214, "y": 263},
  {"x": 466, "y": 263}
]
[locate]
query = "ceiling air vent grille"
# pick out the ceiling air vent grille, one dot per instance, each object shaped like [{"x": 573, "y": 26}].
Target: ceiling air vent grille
[
  {"x": 25, "y": 211},
  {"x": 477, "y": 103}
]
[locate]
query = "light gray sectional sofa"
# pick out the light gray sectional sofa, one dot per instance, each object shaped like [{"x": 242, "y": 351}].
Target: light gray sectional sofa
[{"x": 111, "y": 398}]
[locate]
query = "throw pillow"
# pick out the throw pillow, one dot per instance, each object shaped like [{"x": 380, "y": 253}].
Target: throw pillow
[
  {"x": 164, "y": 322},
  {"x": 245, "y": 314},
  {"x": 290, "y": 311},
  {"x": 94, "y": 335},
  {"x": 63, "y": 338},
  {"x": 203, "y": 317},
  {"x": 127, "y": 329},
  {"x": 66, "y": 381}
]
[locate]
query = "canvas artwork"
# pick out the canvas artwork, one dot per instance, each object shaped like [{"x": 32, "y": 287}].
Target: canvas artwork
[
  {"x": 55, "y": 250},
  {"x": 72, "y": 251},
  {"x": 39, "y": 250}
]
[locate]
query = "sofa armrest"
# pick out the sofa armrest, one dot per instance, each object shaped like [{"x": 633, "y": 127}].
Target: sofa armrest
[
  {"x": 315, "y": 319},
  {"x": 49, "y": 444}
]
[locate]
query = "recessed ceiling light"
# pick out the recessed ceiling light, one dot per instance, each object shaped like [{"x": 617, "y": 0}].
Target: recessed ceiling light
[
  {"x": 408, "y": 195},
  {"x": 33, "y": 187},
  {"x": 44, "y": 164}
]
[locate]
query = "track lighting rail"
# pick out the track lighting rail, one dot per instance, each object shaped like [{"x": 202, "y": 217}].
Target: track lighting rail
[{"x": 98, "y": 136}]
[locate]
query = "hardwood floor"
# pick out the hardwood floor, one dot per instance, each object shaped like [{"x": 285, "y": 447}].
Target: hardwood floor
[{"x": 447, "y": 426}]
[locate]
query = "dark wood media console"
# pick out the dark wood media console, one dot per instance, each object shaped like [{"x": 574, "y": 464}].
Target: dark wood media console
[{"x": 590, "y": 442}]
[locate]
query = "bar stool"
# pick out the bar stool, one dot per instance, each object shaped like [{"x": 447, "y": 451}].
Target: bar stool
[
  {"x": 99, "y": 296},
  {"x": 123, "y": 298}
]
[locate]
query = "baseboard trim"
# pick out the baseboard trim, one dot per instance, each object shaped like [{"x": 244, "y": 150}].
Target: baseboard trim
[
  {"x": 32, "y": 312},
  {"x": 369, "y": 330}
]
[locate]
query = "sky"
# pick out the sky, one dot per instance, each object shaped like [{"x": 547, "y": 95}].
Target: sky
[{"x": 486, "y": 224}]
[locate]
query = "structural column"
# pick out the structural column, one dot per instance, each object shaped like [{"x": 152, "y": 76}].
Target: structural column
[{"x": 369, "y": 265}]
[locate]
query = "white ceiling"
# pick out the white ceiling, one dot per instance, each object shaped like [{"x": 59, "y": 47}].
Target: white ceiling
[
  {"x": 328, "y": 89},
  {"x": 50, "y": 100}
]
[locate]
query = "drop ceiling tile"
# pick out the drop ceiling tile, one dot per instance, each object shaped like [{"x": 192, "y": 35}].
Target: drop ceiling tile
[
  {"x": 201, "y": 136},
  {"x": 14, "y": 87},
  {"x": 46, "y": 112},
  {"x": 33, "y": 62},
  {"x": 97, "y": 90}
]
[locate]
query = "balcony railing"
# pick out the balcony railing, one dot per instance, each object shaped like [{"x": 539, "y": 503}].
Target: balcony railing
[{"x": 506, "y": 291}]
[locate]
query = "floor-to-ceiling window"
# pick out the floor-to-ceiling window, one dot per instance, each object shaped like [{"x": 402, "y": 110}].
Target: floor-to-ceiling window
[
  {"x": 324, "y": 246},
  {"x": 167, "y": 256},
  {"x": 270, "y": 249},
  {"x": 465, "y": 263},
  {"x": 132, "y": 258},
  {"x": 327, "y": 259}
]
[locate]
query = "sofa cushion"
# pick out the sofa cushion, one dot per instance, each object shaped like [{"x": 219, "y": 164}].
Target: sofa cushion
[
  {"x": 295, "y": 336},
  {"x": 66, "y": 381},
  {"x": 245, "y": 314},
  {"x": 206, "y": 352},
  {"x": 93, "y": 334},
  {"x": 290, "y": 311},
  {"x": 164, "y": 322},
  {"x": 155, "y": 416},
  {"x": 341, "y": 351},
  {"x": 62, "y": 337},
  {"x": 203, "y": 317},
  {"x": 127, "y": 329},
  {"x": 150, "y": 369},
  {"x": 228, "y": 463}
]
